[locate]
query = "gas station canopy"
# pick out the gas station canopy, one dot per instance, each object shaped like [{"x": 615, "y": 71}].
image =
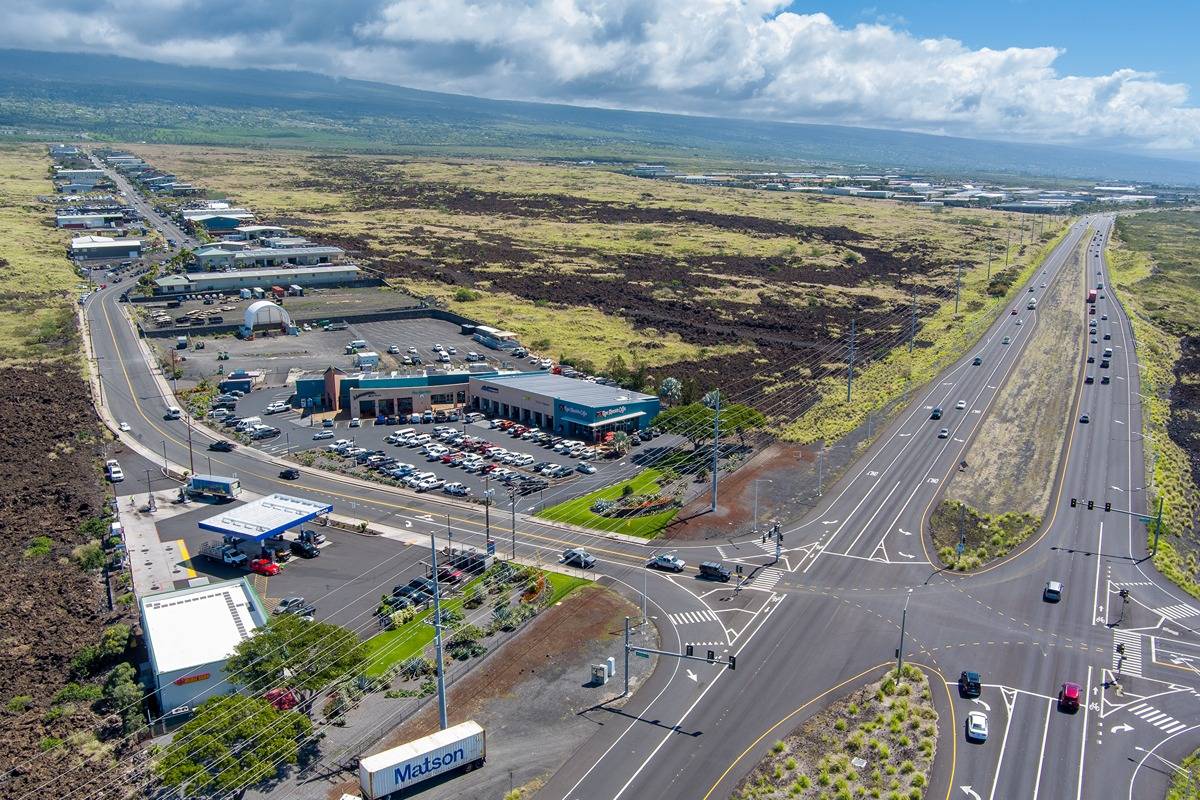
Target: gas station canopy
[{"x": 266, "y": 517}]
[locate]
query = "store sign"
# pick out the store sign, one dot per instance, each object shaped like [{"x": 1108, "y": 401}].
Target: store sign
[
  {"x": 491, "y": 389},
  {"x": 610, "y": 412},
  {"x": 186, "y": 679},
  {"x": 574, "y": 411}
]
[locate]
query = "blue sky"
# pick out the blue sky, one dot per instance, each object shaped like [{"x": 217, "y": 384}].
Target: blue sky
[
  {"x": 1098, "y": 37},
  {"x": 1104, "y": 74}
]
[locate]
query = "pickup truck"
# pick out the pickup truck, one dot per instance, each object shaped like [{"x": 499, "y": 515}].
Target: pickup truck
[{"x": 225, "y": 553}]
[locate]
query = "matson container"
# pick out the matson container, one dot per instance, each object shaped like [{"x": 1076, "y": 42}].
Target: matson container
[{"x": 458, "y": 747}]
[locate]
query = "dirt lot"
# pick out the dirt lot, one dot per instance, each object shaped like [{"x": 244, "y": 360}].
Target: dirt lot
[
  {"x": 50, "y": 606},
  {"x": 536, "y": 707}
]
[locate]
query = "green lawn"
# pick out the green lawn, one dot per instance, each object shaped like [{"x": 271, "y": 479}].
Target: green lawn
[
  {"x": 579, "y": 510},
  {"x": 386, "y": 649}
]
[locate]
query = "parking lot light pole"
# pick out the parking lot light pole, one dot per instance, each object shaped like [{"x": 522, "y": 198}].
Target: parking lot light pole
[
  {"x": 437, "y": 633},
  {"x": 512, "y": 499},
  {"x": 487, "y": 517}
]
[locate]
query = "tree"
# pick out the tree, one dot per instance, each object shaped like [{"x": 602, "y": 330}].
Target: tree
[
  {"x": 620, "y": 441},
  {"x": 671, "y": 390},
  {"x": 232, "y": 742},
  {"x": 695, "y": 420},
  {"x": 123, "y": 695},
  {"x": 712, "y": 398},
  {"x": 312, "y": 655},
  {"x": 616, "y": 369}
]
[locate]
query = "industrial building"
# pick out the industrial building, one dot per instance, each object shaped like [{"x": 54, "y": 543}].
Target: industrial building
[
  {"x": 190, "y": 634},
  {"x": 572, "y": 407},
  {"x": 100, "y": 219},
  {"x": 96, "y": 247},
  {"x": 273, "y": 252},
  {"x": 226, "y": 220},
  {"x": 201, "y": 282}
]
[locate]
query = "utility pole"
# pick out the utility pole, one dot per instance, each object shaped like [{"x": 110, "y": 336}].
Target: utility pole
[
  {"x": 512, "y": 498},
  {"x": 166, "y": 464},
  {"x": 850, "y": 366},
  {"x": 437, "y": 634},
  {"x": 191, "y": 456},
  {"x": 626, "y": 692},
  {"x": 912, "y": 328},
  {"x": 778, "y": 541},
  {"x": 716, "y": 450},
  {"x": 1007, "y": 242},
  {"x": 957, "y": 288},
  {"x": 820, "y": 469},
  {"x": 487, "y": 517},
  {"x": 903, "y": 621},
  {"x": 1157, "y": 525},
  {"x": 757, "y": 481},
  {"x": 149, "y": 494}
]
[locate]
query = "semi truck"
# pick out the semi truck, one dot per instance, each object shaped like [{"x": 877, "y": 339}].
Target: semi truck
[
  {"x": 225, "y": 553},
  {"x": 1091, "y": 295},
  {"x": 213, "y": 486},
  {"x": 461, "y": 747}
]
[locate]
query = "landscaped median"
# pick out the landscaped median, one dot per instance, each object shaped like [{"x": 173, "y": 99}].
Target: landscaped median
[
  {"x": 635, "y": 507},
  {"x": 499, "y": 600}
]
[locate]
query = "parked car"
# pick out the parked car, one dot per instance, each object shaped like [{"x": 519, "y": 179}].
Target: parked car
[
  {"x": 293, "y": 605},
  {"x": 667, "y": 561},
  {"x": 305, "y": 549},
  {"x": 578, "y": 557},
  {"x": 309, "y": 535},
  {"x": 113, "y": 468},
  {"x": 327, "y": 423},
  {"x": 264, "y": 566},
  {"x": 457, "y": 489}
]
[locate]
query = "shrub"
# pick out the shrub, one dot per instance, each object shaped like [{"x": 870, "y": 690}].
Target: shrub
[
  {"x": 21, "y": 702},
  {"x": 77, "y": 692},
  {"x": 778, "y": 747},
  {"x": 414, "y": 668},
  {"x": 39, "y": 546},
  {"x": 472, "y": 598},
  {"x": 465, "y": 295},
  {"x": 50, "y": 743}
]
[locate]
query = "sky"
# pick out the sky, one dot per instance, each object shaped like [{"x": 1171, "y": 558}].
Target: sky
[{"x": 1101, "y": 74}]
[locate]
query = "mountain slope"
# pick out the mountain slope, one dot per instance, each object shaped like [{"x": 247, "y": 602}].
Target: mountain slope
[{"x": 120, "y": 98}]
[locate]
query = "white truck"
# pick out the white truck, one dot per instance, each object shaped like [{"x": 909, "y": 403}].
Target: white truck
[
  {"x": 460, "y": 747},
  {"x": 225, "y": 553}
]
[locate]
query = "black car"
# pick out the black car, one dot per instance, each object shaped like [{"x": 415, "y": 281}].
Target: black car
[
  {"x": 305, "y": 549},
  {"x": 423, "y": 585},
  {"x": 289, "y": 474},
  {"x": 222, "y": 446},
  {"x": 231, "y": 420},
  {"x": 714, "y": 570},
  {"x": 409, "y": 596},
  {"x": 969, "y": 684}
]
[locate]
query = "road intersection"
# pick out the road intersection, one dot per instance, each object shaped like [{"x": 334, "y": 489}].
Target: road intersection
[{"x": 824, "y": 616}]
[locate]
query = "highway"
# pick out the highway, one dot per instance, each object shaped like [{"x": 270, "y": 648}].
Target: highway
[{"x": 826, "y": 617}]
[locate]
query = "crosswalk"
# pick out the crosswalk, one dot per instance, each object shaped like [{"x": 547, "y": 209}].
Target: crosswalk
[
  {"x": 1180, "y": 611},
  {"x": 692, "y": 617},
  {"x": 766, "y": 578},
  {"x": 1132, "y": 662},
  {"x": 1164, "y": 722}
]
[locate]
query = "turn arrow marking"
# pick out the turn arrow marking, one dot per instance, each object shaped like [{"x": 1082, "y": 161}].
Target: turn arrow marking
[
  {"x": 969, "y": 792},
  {"x": 692, "y": 675},
  {"x": 986, "y": 707},
  {"x": 1120, "y": 728}
]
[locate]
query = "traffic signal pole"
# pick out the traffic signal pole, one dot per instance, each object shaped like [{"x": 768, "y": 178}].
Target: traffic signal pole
[
  {"x": 687, "y": 655},
  {"x": 1108, "y": 508}
]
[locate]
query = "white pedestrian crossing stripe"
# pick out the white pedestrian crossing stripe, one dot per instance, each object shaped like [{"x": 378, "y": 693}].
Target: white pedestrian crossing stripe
[
  {"x": 766, "y": 578},
  {"x": 691, "y": 617},
  {"x": 1164, "y": 722},
  {"x": 1132, "y": 662},
  {"x": 1180, "y": 611}
]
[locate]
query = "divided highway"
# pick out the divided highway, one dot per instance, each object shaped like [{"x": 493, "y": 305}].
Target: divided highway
[{"x": 826, "y": 617}]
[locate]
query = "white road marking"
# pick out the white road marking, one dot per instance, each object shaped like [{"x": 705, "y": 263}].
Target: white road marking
[
  {"x": 1132, "y": 642},
  {"x": 1008, "y": 706},
  {"x": 692, "y": 617},
  {"x": 1042, "y": 753},
  {"x": 1177, "y": 612}
]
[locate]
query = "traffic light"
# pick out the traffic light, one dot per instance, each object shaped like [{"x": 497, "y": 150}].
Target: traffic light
[
  {"x": 733, "y": 662},
  {"x": 1074, "y": 502},
  {"x": 1108, "y": 506},
  {"x": 689, "y": 650},
  {"x": 1091, "y": 504},
  {"x": 712, "y": 656}
]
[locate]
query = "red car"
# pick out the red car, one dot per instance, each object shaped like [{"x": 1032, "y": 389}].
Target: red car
[
  {"x": 1068, "y": 696},
  {"x": 1013, "y": 312},
  {"x": 264, "y": 566}
]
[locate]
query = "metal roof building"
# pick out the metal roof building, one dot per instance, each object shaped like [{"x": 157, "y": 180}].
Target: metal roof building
[
  {"x": 190, "y": 633},
  {"x": 265, "y": 517},
  {"x": 567, "y": 405}
]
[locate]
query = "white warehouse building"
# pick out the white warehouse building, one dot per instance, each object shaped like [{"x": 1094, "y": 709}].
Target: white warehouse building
[{"x": 190, "y": 633}]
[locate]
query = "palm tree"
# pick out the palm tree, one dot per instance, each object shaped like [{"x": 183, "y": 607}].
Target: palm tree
[{"x": 671, "y": 390}]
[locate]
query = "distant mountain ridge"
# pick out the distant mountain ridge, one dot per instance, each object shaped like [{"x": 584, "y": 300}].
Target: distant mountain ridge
[{"x": 128, "y": 99}]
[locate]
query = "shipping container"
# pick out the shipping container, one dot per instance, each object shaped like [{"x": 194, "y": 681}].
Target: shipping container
[
  {"x": 214, "y": 486},
  {"x": 458, "y": 747}
]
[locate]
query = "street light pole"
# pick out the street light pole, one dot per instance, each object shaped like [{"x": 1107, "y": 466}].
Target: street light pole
[
  {"x": 903, "y": 621},
  {"x": 512, "y": 500},
  {"x": 437, "y": 632},
  {"x": 487, "y": 517}
]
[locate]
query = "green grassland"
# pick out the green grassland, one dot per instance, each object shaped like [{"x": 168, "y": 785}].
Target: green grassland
[
  {"x": 578, "y": 511},
  {"x": 36, "y": 279},
  {"x": 1155, "y": 263}
]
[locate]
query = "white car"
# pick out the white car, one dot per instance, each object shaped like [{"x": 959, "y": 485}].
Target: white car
[
  {"x": 667, "y": 561},
  {"x": 394, "y": 349},
  {"x": 115, "y": 474},
  {"x": 960, "y": 405},
  {"x": 437, "y": 348},
  {"x": 977, "y": 726},
  {"x": 355, "y": 422},
  {"x": 124, "y": 426},
  {"x": 430, "y": 483},
  {"x": 412, "y": 351},
  {"x": 452, "y": 350},
  {"x": 219, "y": 413},
  {"x": 456, "y": 489},
  {"x": 322, "y": 435}
]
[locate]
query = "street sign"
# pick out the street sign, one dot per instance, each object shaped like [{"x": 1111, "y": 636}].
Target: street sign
[
  {"x": 491, "y": 547},
  {"x": 1145, "y": 520},
  {"x": 641, "y": 654},
  {"x": 960, "y": 547}
]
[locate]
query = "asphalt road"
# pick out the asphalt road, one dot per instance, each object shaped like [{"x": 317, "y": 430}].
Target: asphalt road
[{"x": 826, "y": 616}]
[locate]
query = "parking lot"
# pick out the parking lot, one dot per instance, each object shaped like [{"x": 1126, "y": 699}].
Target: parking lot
[
  {"x": 304, "y": 433},
  {"x": 315, "y": 350},
  {"x": 344, "y": 583}
]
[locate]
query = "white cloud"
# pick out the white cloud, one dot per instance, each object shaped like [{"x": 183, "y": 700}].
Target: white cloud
[{"x": 744, "y": 58}]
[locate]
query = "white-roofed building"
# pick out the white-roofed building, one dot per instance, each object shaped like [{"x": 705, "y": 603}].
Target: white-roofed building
[{"x": 190, "y": 634}]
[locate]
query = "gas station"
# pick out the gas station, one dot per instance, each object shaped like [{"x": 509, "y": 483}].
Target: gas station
[{"x": 264, "y": 519}]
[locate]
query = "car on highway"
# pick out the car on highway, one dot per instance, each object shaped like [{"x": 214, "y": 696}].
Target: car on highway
[
  {"x": 944, "y": 433},
  {"x": 1107, "y": 336},
  {"x": 322, "y": 435},
  {"x": 936, "y": 413},
  {"x": 1104, "y": 379},
  {"x": 1089, "y": 379},
  {"x": 1013, "y": 312},
  {"x": 1104, "y": 363},
  {"x": 264, "y": 566},
  {"x": 578, "y": 557},
  {"x": 960, "y": 405},
  {"x": 585, "y": 468},
  {"x": 289, "y": 473},
  {"x": 1085, "y": 418},
  {"x": 978, "y": 360},
  {"x": 667, "y": 561},
  {"x": 222, "y": 446},
  {"x": 970, "y": 684},
  {"x": 1053, "y": 591},
  {"x": 977, "y": 726},
  {"x": 1068, "y": 697},
  {"x": 1095, "y": 340},
  {"x": 1006, "y": 340},
  {"x": 1091, "y": 359},
  {"x": 1020, "y": 321}
]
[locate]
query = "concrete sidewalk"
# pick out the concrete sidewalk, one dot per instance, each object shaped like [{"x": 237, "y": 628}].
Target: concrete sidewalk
[{"x": 156, "y": 566}]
